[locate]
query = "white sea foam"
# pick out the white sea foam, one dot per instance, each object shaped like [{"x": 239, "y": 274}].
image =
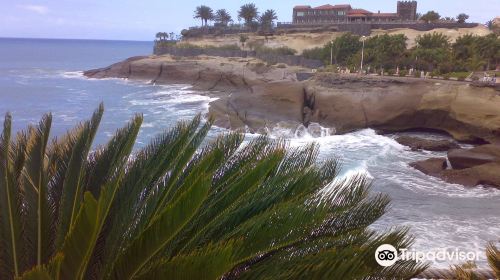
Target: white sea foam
[
  {"x": 72, "y": 75},
  {"x": 296, "y": 131}
]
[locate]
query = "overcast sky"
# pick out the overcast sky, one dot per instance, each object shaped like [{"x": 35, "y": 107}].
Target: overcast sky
[{"x": 141, "y": 19}]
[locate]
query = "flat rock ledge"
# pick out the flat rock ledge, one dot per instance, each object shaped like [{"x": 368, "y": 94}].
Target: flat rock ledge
[
  {"x": 416, "y": 144},
  {"x": 469, "y": 167}
]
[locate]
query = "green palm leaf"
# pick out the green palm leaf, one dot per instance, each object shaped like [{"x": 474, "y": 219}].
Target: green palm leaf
[
  {"x": 208, "y": 263},
  {"x": 72, "y": 187},
  {"x": 162, "y": 230},
  {"x": 10, "y": 241},
  {"x": 35, "y": 186}
]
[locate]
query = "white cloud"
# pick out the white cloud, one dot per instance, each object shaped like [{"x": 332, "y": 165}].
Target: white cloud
[{"x": 42, "y": 10}]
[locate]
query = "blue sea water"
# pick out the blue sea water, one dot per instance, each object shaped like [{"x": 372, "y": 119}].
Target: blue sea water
[{"x": 40, "y": 76}]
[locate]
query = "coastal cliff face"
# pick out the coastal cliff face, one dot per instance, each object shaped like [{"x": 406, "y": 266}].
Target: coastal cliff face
[
  {"x": 257, "y": 96},
  {"x": 467, "y": 113}
]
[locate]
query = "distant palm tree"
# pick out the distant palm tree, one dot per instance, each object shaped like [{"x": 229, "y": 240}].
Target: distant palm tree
[
  {"x": 249, "y": 13},
  {"x": 222, "y": 17},
  {"x": 182, "y": 209},
  {"x": 267, "y": 19},
  {"x": 204, "y": 13}
]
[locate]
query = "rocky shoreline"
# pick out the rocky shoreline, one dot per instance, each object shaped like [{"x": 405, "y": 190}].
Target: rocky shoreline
[{"x": 257, "y": 97}]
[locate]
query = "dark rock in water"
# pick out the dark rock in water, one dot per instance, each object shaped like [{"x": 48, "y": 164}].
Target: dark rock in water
[
  {"x": 416, "y": 143},
  {"x": 432, "y": 166},
  {"x": 462, "y": 158},
  {"x": 486, "y": 174}
]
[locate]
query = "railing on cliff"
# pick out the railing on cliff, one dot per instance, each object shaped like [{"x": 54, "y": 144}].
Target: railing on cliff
[
  {"x": 292, "y": 60},
  {"x": 363, "y": 26}
]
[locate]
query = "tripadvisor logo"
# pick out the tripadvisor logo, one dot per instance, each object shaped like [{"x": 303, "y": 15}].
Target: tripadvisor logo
[{"x": 386, "y": 255}]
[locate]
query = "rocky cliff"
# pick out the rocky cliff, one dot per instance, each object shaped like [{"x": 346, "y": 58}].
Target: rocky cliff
[{"x": 257, "y": 96}]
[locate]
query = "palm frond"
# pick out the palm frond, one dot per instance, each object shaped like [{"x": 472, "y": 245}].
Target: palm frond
[
  {"x": 10, "y": 216},
  {"x": 209, "y": 262},
  {"x": 165, "y": 226},
  {"x": 72, "y": 179},
  {"x": 181, "y": 209},
  {"x": 35, "y": 188},
  {"x": 493, "y": 255}
]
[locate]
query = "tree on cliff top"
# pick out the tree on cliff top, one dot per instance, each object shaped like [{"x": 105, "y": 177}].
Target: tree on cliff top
[
  {"x": 204, "y": 13},
  {"x": 433, "y": 41},
  {"x": 461, "y": 18},
  {"x": 249, "y": 13},
  {"x": 430, "y": 16},
  {"x": 183, "y": 208},
  {"x": 162, "y": 36},
  {"x": 344, "y": 47},
  {"x": 222, "y": 17},
  {"x": 432, "y": 52},
  {"x": 267, "y": 19}
]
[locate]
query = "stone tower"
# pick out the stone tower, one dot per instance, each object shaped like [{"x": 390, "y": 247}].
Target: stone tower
[{"x": 407, "y": 10}]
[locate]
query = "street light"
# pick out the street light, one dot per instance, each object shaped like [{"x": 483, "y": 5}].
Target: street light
[
  {"x": 331, "y": 52},
  {"x": 362, "y": 52}
]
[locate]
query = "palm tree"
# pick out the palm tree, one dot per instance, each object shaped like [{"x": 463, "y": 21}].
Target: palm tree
[
  {"x": 204, "y": 13},
  {"x": 267, "y": 19},
  {"x": 249, "y": 13},
  {"x": 222, "y": 17},
  {"x": 178, "y": 210},
  {"x": 162, "y": 36}
]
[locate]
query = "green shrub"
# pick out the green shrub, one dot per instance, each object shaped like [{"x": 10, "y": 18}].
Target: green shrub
[
  {"x": 403, "y": 73},
  {"x": 446, "y": 76},
  {"x": 461, "y": 76},
  {"x": 435, "y": 73},
  {"x": 275, "y": 51},
  {"x": 391, "y": 72},
  {"x": 417, "y": 74},
  {"x": 315, "y": 53}
]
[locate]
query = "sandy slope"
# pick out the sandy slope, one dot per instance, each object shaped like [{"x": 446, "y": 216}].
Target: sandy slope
[
  {"x": 480, "y": 30},
  {"x": 302, "y": 41}
]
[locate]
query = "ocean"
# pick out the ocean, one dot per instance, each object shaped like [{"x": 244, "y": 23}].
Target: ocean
[{"x": 44, "y": 75}]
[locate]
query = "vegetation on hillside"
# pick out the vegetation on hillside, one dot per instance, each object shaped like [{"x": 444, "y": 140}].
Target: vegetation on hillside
[
  {"x": 181, "y": 209},
  {"x": 433, "y": 52}
]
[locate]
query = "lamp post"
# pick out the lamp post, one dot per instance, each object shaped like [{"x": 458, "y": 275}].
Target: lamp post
[
  {"x": 416, "y": 58},
  {"x": 362, "y": 52},
  {"x": 331, "y": 52}
]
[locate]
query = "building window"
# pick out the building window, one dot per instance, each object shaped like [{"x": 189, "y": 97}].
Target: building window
[
  {"x": 341, "y": 13},
  {"x": 300, "y": 14}
]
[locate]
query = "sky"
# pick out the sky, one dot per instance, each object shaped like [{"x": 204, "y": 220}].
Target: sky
[{"x": 141, "y": 19}]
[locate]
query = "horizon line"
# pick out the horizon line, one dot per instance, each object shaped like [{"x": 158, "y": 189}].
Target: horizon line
[{"x": 75, "y": 39}]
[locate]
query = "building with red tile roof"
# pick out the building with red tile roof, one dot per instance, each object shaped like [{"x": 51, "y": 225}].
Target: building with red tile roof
[{"x": 305, "y": 14}]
